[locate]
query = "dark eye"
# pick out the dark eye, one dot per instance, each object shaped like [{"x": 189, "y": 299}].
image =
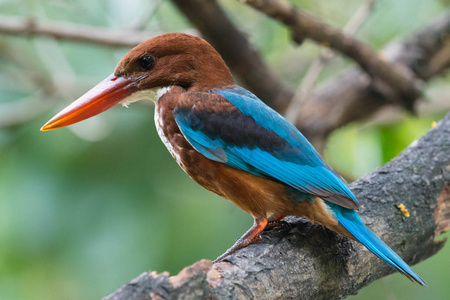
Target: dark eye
[{"x": 146, "y": 62}]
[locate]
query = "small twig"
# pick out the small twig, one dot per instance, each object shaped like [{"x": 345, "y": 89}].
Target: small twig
[
  {"x": 148, "y": 11},
  {"x": 400, "y": 84},
  {"x": 75, "y": 32},
  {"x": 326, "y": 55},
  {"x": 62, "y": 75},
  {"x": 307, "y": 85},
  {"x": 360, "y": 16}
]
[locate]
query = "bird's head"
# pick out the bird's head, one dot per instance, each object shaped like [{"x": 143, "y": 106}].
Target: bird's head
[{"x": 173, "y": 59}]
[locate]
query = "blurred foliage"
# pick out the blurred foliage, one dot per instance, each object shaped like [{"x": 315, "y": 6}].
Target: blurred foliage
[{"x": 85, "y": 209}]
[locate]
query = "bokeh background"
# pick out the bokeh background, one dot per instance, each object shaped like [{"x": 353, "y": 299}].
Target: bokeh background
[{"x": 87, "y": 208}]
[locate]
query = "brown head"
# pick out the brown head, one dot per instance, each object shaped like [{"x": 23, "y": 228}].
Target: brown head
[
  {"x": 165, "y": 60},
  {"x": 175, "y": 59}
]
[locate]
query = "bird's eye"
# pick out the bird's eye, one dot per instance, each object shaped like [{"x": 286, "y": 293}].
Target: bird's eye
[{"x": 146, "y": 62}]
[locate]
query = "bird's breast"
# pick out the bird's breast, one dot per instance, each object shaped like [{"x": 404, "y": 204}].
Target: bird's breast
[{"x": 191, "y": 161}]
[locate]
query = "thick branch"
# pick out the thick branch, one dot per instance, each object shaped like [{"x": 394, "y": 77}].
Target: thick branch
[
  {"x": 305, "y": 261},
  {"x": 351, "y": 95},
  {"x": 399, "y": 83},
  {"x": 244, "y": 61}
]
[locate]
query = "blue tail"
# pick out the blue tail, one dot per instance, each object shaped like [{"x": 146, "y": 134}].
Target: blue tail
[{"x": 353, "y": 223}]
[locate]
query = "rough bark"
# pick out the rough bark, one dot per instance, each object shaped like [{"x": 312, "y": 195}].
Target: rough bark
[{"x": 300, "y": 260}]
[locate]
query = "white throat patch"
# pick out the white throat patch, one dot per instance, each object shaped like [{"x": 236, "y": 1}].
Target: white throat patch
[{"x": 151, "y": 94}]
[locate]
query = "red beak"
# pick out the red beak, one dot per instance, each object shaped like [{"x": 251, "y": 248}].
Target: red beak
[{"x": 102, "y": 97}]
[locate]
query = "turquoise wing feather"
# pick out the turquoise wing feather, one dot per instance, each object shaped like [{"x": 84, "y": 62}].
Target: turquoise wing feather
[{"x": 254, "y": 138}]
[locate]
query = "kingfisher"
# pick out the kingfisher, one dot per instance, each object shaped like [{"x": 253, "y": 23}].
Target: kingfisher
[{"x": 229, "y": 141}]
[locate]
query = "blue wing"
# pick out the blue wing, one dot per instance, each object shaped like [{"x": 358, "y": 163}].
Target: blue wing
[{"x": 238, "y": 129}]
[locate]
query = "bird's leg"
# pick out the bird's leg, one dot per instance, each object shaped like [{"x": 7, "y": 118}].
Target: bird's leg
[{"x": 252, "y": 235}]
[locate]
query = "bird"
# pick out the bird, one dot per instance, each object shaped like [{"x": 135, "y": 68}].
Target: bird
[{"x": 228, "y": 141}]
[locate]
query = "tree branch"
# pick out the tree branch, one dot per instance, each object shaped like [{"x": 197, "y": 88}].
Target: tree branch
[
  {"x": 73, "y": 32},
  {"x": 398, "y": 83},
  {"x": 351, "y": 96},
  {"x": 304, "y": 261},
  {"x": 326, "y": 55}
]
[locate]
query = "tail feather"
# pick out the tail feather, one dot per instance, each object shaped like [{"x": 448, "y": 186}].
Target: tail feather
[{"x": 351, "y": 221}]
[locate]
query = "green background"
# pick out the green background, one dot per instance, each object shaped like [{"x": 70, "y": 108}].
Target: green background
[{"x": 87, "y": 208}]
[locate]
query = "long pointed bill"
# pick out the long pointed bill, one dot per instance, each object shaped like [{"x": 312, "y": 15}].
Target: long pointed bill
[{"x": 102, "y": 97}]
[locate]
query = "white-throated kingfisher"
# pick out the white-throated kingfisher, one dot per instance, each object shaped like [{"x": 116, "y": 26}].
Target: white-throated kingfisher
[{"x": 229, "y": 141}]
